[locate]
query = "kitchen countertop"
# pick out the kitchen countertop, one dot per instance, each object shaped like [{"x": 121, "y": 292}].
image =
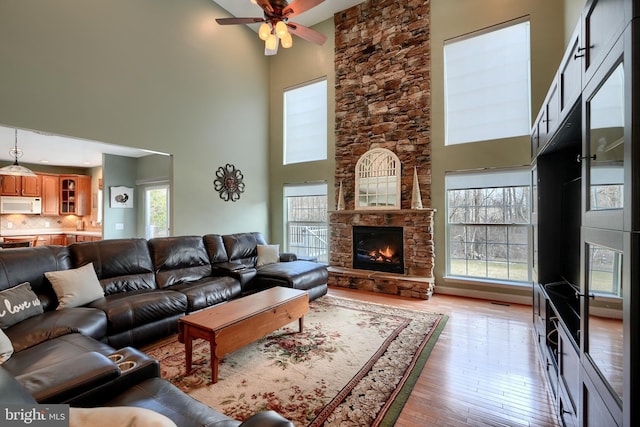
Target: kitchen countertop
[{"x": 37, "y": 232}]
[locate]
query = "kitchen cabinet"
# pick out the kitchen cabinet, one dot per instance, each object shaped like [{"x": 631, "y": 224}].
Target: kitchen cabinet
[
  {"x": 50, "y": 195},
  {"x": 586, "y": 223},
  {"x": 28, "y": 186},
  {"x": 75, "y": 195},
  {"x": 51, "y": 239},
  {"x": 85, "y": 238}
]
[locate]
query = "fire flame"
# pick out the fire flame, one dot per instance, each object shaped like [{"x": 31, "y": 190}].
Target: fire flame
[{"x": 382, "y": 255}]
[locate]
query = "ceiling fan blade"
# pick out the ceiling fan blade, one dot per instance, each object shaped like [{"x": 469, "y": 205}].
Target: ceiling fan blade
[
  {"x": 306, "y": 33},
  {"x": 233, "y": 21},
  {"x": 296, "y": 7},
  {"x": 265, "y": 5}
]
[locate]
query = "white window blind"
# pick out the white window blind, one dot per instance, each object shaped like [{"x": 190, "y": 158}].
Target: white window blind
[
  {"x": 305, "y": 123},
  {"x": 487, "y": 85}
]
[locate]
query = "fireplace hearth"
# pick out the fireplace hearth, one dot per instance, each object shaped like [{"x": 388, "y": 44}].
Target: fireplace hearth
[{"x": 378, "y": 249}]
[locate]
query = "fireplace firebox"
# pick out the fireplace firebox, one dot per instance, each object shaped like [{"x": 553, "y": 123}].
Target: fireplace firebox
[{"x": 378, "y": 249}]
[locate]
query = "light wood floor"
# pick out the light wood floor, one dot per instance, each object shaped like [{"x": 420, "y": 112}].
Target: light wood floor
[{"x": 483, "y": 370}]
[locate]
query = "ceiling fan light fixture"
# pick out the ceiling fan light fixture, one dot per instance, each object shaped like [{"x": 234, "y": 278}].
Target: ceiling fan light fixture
[
  {"x": 15, "y": 169},
  {"x": 286, "y": 41},
  {"x": 271, "y": 43},
  {"x": 264, "y": 31},
  {"x": 281, "y": 29}
]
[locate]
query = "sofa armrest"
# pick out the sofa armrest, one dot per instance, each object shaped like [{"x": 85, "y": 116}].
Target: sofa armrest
[
  {"x": 288, "y": 257},
  {"x": 228, "y": 266},
  {"x": 70, "y": 377},
  {"x": 267, "y": 419}
]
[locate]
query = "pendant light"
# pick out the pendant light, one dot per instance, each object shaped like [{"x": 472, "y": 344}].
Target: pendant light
[{"x": 15, "y": 169}]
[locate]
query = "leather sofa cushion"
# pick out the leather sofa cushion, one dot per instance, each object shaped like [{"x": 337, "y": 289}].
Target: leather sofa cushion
[
  {"x": 242, "y": 247},
  {"x": 209, "y": 291},
  {"x": 129, "y": 310},
  {"x": 29, "y": 265},
  {"x": 215, "y": 248},
  {"x": 61, "y": 381},
  {"x": 122, "y": 265},
  {"x": 11, "y": 391},
  {"x": 179, "y": 259},
  {"x": 301, "y": 275},
  {"x": 90, "y": 322},
  {"x": 52, "y": 352}
]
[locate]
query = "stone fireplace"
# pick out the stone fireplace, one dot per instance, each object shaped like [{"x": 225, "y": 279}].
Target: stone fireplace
[
  {"x": 378, "y": 248},
  {"x": 418, "y": 252},
  {"x": 382, "y": 63}
]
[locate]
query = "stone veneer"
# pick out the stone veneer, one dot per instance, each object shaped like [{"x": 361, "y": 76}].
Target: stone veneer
[
  {"x": 382, "y": 62},
  {"x": 417, "y": 229}
]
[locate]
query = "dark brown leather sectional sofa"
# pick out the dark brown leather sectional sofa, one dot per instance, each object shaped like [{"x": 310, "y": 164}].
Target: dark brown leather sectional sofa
[{"x": 76, "y": 355}]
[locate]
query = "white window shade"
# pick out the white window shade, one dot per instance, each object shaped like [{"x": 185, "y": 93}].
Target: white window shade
[
  {"x": 305, "y": 123},
  {"x": 487, "y": 85}
]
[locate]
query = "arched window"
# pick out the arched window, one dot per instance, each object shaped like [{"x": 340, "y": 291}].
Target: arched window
[{"x": 378, "y": 180}]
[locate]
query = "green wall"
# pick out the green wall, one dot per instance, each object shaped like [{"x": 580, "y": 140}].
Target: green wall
[
  {"x": 154, "y": 74},
  {"x": 450, "y": 19},
  {"x": 119, "y": 223},
  {"x": 291, "y": 67}
]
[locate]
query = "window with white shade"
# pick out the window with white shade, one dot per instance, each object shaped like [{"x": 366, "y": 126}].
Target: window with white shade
[
  {"x": 487, "y": 84},
  {"x": 305, "y": 123}
]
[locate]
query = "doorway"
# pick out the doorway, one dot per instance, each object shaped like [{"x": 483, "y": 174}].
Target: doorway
[{"x": 156, "y": 211}]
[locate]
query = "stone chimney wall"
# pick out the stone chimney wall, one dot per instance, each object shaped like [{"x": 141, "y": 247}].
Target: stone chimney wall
[
  {"x": 383, "y": 99},
  {"x": 383, "y": 90}
]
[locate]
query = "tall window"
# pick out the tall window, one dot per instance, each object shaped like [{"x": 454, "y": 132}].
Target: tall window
[
  {"x": 306, "y": 220},
  {"x": 488, "y": 225},
  {"x": 305, "y": 123},
  {"x": 487, "y": 83}
]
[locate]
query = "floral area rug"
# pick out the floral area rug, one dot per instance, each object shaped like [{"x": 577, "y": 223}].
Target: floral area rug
[{"x": 354, "y": 364}]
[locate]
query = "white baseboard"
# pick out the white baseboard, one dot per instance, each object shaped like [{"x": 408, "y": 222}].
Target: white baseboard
[{"x": 491, "y": 296}]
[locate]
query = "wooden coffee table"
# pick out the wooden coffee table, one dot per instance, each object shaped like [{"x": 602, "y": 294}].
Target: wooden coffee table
[{"x": 234, "y": 324}]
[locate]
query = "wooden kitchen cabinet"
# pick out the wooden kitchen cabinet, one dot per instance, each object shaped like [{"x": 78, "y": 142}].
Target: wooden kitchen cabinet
[
  {"x": 50, "y": 197},
  {"x": 83, "y": 238},
  {"x": 75, "y": 195},
  {"x": 28, "y": 186},
  {"x": 51, "y": 239}
]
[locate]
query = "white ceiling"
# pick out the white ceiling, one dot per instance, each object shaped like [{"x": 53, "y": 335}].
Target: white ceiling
[
  {"x": 53, "y": 150},
  {"x": 322, "y": 12}
]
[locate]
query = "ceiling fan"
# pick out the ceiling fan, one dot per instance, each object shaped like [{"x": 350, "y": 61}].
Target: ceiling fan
[{"x": 276, "y": 26}]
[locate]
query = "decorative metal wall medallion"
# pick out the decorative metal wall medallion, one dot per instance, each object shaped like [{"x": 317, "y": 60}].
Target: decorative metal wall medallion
[{"x": 229, "y": 183}]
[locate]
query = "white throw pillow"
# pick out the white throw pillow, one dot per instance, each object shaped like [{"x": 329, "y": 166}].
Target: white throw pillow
[
  {"x": 75, "y": 287},
  {"x": 268, "y": 254},
  {"x": 6, "y": 348},
  {"x": 117, "y": 416}
]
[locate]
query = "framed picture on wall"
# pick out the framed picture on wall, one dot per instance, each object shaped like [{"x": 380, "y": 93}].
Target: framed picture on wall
[{"x": 121, "y": 197}]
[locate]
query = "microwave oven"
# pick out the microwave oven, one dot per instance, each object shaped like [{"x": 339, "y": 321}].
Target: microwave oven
[{"x": 20, "y": 205}]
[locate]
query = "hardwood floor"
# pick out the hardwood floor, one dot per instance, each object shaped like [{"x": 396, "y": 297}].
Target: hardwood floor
[{"x": 483, "y": 371}]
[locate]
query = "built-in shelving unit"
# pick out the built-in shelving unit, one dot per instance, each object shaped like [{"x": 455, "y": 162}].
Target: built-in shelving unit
[{"x": 586, "y": 221}]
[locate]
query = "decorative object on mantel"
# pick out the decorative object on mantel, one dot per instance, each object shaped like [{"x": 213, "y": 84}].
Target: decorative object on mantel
[
  {"x": 416, "y": 199},
  {"x": 15, "y": 169},
  {"x": 340, "y": 206},
  {"x": 377, "y": 184},
  {"x": 276, "y": 26},
  {"x": 229, "y": 183},
  {"x": 121, "y": 197}
]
